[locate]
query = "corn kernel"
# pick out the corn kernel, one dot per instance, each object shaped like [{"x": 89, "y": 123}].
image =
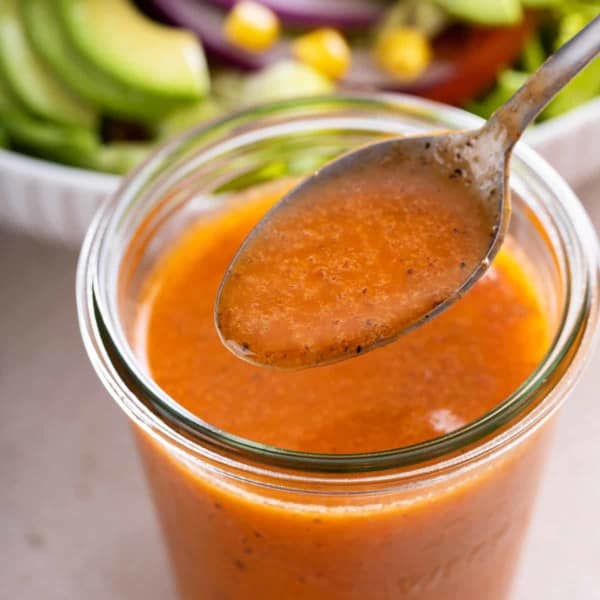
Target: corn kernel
[
  {"x": 404, "y": 53},
  {"x": 252, "y": 26},
  {"x": 325, "y": 50}
]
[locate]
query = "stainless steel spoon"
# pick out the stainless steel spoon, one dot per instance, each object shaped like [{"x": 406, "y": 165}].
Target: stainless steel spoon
[{"x": 478, "y": 159}]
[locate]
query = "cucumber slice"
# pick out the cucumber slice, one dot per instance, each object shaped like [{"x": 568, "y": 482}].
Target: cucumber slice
[
  {"x": 227, "y": 87},
  {"x": 119, "y": 40},
  {"x": 533, "y": 54},
  {"x": 119, "y": 157},
  {"x": 429, "y": 18},
  {"x": 48, "y": 38},
  {"x": 495, "y": 12},
  {"x": 38, "y": 91},
  {"x": 509, "y": 82},
  {"x": 189, "y": 117},
  {"x": 61, "y": 143},
  {"x": 284, "y": 79},
  {"x": 586, "y": 85}
]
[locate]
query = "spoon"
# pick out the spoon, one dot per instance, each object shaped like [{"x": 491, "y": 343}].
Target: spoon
[{"x": 383, "y": 238}]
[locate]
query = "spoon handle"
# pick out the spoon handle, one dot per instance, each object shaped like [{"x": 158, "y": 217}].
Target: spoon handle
[{"x": 510, "y": 120}]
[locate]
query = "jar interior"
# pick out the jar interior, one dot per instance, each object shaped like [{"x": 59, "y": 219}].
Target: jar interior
[{"x": 205, "y": 179}]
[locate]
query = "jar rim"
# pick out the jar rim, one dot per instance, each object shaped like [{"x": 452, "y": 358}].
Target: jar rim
[{"x": 152, "y": 409}]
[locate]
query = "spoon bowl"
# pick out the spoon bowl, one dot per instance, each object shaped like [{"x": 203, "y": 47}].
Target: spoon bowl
[{"x": 375, "y": 193}]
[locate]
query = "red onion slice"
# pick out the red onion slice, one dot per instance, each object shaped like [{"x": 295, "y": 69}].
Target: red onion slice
[
  {"x": 345, "y": 14},
  {"x": 207, "y": 22}
]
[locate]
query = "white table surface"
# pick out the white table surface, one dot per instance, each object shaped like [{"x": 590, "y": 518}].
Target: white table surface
[{"x": 75, "y": 519}]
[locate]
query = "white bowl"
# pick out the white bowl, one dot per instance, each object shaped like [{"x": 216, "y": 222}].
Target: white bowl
[
  {"x": 54, "y": 202},
  {"x": 48, "y": 200},
  {"x": 571, "y": 143}
]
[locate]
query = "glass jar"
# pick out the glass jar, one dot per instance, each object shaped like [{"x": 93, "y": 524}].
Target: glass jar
[{"x": 443, "y": 519}]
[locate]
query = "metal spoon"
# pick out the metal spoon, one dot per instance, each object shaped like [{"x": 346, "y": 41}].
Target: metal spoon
[{"x": 258, "y": 323}]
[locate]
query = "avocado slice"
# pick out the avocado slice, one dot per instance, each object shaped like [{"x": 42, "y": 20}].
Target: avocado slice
[
  {"x": 496, "y": 12},
  {"x": 68, "y": 144},
  {"x": 5, "y": 104},
  {"x": 38, "y": 91},
  {"x": 49, "y": 40},
  {"x": 115, "y": 37},
  {"x": 6, "y": 98}
]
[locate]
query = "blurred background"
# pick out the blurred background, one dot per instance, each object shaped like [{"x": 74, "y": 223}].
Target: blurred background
[{"x": 87, "y": 90}]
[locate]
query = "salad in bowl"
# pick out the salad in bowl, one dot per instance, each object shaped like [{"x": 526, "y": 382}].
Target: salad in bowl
[{"x": 95, "y": 84}]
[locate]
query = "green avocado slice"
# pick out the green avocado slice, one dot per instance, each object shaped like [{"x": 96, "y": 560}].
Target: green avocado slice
[
  {"x": 494, "y": 12},
  {"x": 48, "y": 38},
  {"x": 7, "y": 100},
  {"x": 28, "y": 79},
  {"x": 67, "y": 144},
  {"x": 74, "y": 146},
  {"x": 115, "y": 37},
  {"x": 62, "y": 143}
]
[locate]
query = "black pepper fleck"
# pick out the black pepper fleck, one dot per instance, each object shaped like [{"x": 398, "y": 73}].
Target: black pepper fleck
[
  {"x": 358, "y": 349},
  {"x": 239, "y": 564}
]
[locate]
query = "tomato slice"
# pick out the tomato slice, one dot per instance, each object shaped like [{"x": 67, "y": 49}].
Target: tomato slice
[
  {"x": 475, "y": 57},
  {"x": 467, "y": 62}
]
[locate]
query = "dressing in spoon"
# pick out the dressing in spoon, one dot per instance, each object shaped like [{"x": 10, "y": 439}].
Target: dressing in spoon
[{"x": 383, "y": 238}]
